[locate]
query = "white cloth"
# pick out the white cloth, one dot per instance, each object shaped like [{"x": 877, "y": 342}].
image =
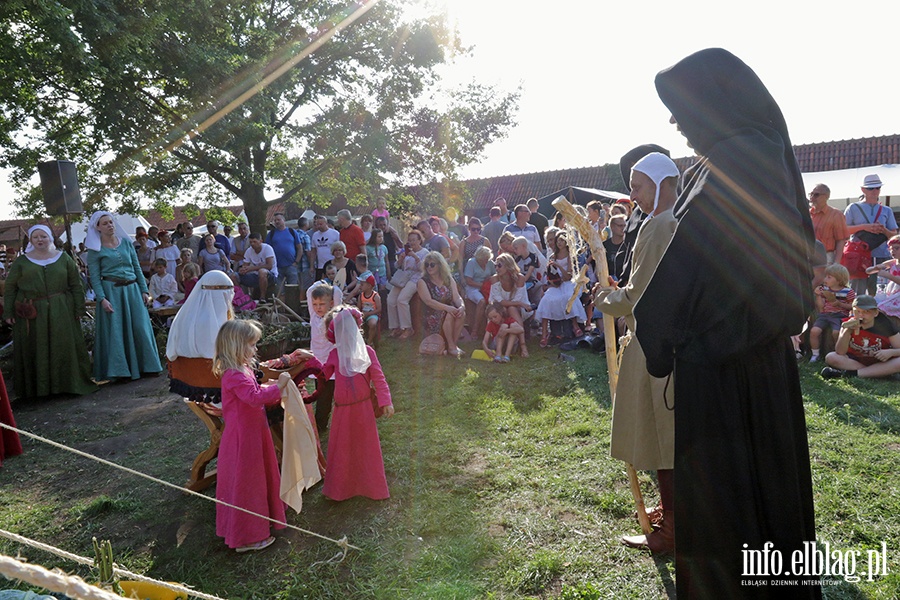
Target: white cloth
[
  {"x": 43, "y": 262},
  {"x": 92, "y": 236},
  {"x": 657, "y": 166},
  {"x": 299, "y": 451},
  {"x": 34, "y": 228},
  {"x": 353, "y": 359},
  {"x": 255, "y": 259},
  {"x": 194, "y": 330},
  {"x": 553, "y": 304}
]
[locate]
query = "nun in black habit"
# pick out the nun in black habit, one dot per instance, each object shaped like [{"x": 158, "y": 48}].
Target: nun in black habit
[{"x": 732, "y": 286}]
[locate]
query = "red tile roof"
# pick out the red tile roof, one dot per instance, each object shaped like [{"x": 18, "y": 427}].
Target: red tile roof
[
  {"x": 824, "y": 156},
  {"x": 517, "y": 189},
  {"x": 849, "y": 154}
]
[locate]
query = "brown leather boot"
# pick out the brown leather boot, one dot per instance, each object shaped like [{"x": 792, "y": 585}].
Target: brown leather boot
[{"x": 659, "y": 541}]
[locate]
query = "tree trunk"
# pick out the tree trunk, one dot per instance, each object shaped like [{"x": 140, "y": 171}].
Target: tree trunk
[{"x": 254, "y": 199}]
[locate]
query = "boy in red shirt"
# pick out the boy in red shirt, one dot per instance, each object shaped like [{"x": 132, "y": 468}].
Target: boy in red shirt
[
  {"x": 500, "y": 327},
  {"x": 868, "y": 345}
]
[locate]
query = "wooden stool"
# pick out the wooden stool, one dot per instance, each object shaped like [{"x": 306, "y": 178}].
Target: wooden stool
[
  {"x": 200, "y": 479},
  {"x": 198, "y": 371}
]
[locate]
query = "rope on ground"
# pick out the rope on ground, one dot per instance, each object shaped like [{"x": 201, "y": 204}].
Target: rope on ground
[
  {"x": 337, "y": 558},
  {"x": 342, "y": 543},
  {"x": 122, "y": 573},
  {"x": 71, "y": 586}
]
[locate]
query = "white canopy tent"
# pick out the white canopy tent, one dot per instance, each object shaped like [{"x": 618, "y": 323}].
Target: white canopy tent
[{"x": 845, "y": 184}]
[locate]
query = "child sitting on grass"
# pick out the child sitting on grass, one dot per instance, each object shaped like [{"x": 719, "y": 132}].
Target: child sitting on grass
[
  {"x": 502, "y": 328},
  {"x": 834, "y": 300},
  {"x": 868, "y": 344}
]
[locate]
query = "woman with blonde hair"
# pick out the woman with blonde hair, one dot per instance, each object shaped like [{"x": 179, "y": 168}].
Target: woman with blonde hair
[
  {"x": 444, "y": 309},
  {"x": 505, "y": 242},
  {"x": 248, "y": 474},
  {"x": 509, "y": 291}
]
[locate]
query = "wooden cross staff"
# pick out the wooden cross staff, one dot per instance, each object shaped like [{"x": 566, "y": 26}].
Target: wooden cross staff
[{"x": 598, "y": 252}]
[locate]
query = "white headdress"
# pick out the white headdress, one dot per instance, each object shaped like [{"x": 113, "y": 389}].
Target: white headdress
[
  {"x": 92, "y": 237},
  {"x": 657, "y": 166},
  {"x": 353, "y": 358},
  {"x": 34, "y": 228},
  {"x": 194, "y": 330}
]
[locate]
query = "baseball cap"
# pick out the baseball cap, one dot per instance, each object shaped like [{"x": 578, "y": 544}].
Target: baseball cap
[{"x": 865, "y": 302}]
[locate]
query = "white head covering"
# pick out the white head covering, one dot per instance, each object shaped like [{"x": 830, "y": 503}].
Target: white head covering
[
  {"x": 657, "y": 166},
  {"x": 43, "y": 228},
  {"x": 92, "y": 237},
  {"x": 194, "y": 330},
  {"x": 353, "y": 359}
]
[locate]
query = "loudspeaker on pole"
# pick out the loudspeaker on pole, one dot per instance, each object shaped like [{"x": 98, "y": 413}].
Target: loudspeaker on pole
[{"x": 59, "y": 185}]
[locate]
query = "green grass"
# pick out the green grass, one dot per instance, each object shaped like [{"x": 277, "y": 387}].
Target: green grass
[{"x": 501, "y": 487}]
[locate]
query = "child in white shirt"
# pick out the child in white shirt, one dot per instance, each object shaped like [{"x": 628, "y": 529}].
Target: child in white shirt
[
  {"x": 321, "y": 297},
  {"x": 163, "y": 286}
]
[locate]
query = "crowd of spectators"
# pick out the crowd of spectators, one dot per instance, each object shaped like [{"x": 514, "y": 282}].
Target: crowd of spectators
[{"x": 516, "y": 263}]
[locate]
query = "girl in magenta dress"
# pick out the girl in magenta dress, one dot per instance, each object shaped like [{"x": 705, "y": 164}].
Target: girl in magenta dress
[
  {"x": 355, "y": 464},
  {"x": 248, "y": 469}
]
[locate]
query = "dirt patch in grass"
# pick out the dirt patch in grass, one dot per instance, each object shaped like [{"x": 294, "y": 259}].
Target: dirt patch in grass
[{"x": 140, "y": 425}]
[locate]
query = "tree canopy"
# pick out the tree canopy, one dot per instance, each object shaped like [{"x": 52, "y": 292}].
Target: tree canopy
[{"x": 205, "y": 101}]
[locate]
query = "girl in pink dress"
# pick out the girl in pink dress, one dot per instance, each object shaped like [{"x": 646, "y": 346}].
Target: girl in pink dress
[
  {"x": 355, "y": 465},
  {"x": 248, "y": 469}
]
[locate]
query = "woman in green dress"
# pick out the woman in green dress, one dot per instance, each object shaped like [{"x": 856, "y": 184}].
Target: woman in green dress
[
  {"x": 44, "y": 302},
  {"x": 124, "y": 345}
]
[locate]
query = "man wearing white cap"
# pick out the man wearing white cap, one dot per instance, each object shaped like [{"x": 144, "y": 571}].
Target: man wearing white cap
[
  {"x": 643, "y": 421},
  {"x": 869, "y": 215}
]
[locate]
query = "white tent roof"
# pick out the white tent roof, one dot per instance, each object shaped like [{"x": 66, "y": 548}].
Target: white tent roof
[
  {"x": 125, "y": 226},
  {"x": 845, "y": 184}
]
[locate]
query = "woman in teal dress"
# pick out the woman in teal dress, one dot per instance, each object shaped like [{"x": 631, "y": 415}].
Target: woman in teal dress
[
  {"x": 44, "y": 302},
  {"x": 124, "y": 345}
]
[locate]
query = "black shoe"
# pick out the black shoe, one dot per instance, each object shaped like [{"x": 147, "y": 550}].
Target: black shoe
[{"x": 831, "y": 373}]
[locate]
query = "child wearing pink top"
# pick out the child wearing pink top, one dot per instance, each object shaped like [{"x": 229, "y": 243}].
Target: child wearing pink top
[
  {"x": 248, "y": 474},
  {"x": 355, "y": 463},
  {"x": 381, "y": 209}
]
